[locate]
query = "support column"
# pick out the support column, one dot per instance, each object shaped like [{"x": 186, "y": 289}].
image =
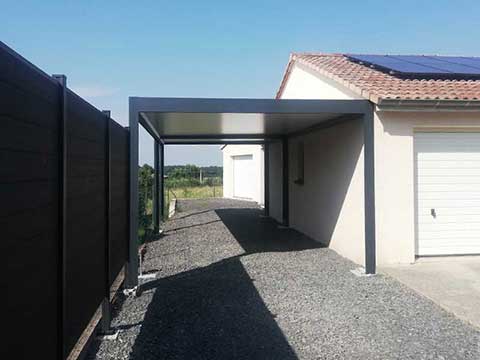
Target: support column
[
  {"x": 62, "y": 212},
  {"x": 131, "y": 278},
  {"x": 266, "y": 178},
  {"x": 106, "y": 310},
  {"x": 156, "y": 190},
  {"x": 369, "y": 190},
  {"x": 161, "y": 178},
  {"x": 285, "y": 197}
]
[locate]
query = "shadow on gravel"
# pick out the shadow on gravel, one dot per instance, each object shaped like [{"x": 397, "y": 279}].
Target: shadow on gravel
[
  {"x": 257, "y": 234},
  {"x": 213, "y": 312}
]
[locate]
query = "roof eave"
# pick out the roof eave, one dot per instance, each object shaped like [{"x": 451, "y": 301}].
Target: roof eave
[
  {"x": 286, "y": 76},
  {"x": 428, "y": 105}
]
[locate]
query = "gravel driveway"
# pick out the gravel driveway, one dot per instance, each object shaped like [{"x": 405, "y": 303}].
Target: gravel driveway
[{"x": 230, "y": 284}]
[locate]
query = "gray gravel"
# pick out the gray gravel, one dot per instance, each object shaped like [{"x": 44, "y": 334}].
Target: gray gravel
[{"x": 230, "y": 284}]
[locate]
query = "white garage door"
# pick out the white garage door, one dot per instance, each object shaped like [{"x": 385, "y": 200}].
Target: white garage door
[
  {"x": 448, "y": 193},
  {"x": 243, "y": 176}
]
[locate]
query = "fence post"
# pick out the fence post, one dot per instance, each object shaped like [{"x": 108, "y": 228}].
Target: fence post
[
  {"x": 131, "y": 277},
  {"x": 106, "y": 311},
  {"x": 62, "y": 212}
]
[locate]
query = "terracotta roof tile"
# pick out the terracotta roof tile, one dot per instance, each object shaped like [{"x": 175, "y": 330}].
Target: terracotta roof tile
[{"x": 376, "y": 85}]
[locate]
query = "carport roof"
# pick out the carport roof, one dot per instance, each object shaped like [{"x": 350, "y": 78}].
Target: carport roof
[{"x": 200, "y": 120}]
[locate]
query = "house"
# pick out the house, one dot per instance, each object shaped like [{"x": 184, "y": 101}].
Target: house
[
  {"x": 243, "y": 172},
  {"x": 426, "y": 155}
]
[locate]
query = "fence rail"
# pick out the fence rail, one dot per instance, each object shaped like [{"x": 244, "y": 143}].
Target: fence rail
[{"x": 64, "y": 208}]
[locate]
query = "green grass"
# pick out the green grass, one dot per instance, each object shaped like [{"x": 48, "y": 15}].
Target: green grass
[
  {"x": 195, "y": 192},
  {"x": 191, "y": 192}
]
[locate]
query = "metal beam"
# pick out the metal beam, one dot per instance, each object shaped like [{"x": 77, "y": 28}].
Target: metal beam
[
  {"x": 223, "y": 136},
  {"x": 266, "y": 179},
  {"x": 131, "y": 279},
  {"x": 369, "y": 191},
  {"x": 248, "y": 106},
  {"x": 62, "y": 212},
  {"x": 285, "y": 183},
  {"x": 214, "y": 142},
  {"x": 149, "y": 127}
]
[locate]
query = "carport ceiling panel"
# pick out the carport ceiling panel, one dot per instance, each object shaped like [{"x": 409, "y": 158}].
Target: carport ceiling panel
[{"x": 192, "y": 124}]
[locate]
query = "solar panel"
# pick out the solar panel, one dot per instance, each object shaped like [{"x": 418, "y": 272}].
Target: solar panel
[
  {"x": 425, "y": 65},
  {"x": 468, "y": 61},
  {"x": 440, "y": 63}
]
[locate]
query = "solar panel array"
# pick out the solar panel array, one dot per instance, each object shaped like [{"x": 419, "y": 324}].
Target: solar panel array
[{"x": 422, "y": 64}]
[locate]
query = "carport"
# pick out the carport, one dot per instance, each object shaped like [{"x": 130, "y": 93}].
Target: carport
[{"x": 197, "y": 121}]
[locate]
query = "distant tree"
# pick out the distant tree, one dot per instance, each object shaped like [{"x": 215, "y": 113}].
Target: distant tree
[{"x": 145, "y": 194}]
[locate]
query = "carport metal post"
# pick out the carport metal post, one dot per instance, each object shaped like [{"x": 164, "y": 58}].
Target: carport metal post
[
  {"x": 266, "y": 178},
  {"x": 131, "y": 277},
  {"x": 285, "y": 195},
  {"x": 156, "y": 190},
  {"x": 161, "y": 179},
  {"x": 369, "y": 189}
]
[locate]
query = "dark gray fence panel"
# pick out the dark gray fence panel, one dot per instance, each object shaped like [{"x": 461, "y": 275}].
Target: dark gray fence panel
[
  {"x": 29, "y": 206},
  {"x": 86, "y": 217},
  {"x": 30, "y": 114},
  {"x": 119, "y": 204}
]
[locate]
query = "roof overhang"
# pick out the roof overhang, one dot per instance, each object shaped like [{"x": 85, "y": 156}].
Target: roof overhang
[{"x": 226, "y": 121}]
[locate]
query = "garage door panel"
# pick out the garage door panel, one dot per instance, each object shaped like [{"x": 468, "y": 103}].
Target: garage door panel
[
  {"x": 452, "y": 172},
  {"x": 463, "y": 216},
  {"x": 243, "y": 176},
  {"x": 470, "y": 155},
  {"x": 449, "y": 188},
  {"x": 447, "y": 250},
  {"x": 430, "y": 227},
  {"x": 449, "y": 164},
  {"x": 449, "y": 196},
  {"x": 448, "y": 181},
  {"x": 446, "y": 203}
]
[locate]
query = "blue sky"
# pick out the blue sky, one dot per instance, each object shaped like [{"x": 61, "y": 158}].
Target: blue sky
[{"x": 114, "y": 49}]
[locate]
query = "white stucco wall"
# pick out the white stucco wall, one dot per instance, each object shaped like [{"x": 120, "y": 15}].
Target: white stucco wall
[
  {"x": 395, "y": 177},
  {"x": 235, "y": 150},
  {"x": 275, "y": 165},
  {"x": 329, "y": 206},
  {"x": 304, "y": 83},
  {"x": 394, "y": 174}
]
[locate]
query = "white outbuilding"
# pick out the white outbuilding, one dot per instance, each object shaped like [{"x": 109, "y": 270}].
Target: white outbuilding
[{"x": 243, "y": 172}]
